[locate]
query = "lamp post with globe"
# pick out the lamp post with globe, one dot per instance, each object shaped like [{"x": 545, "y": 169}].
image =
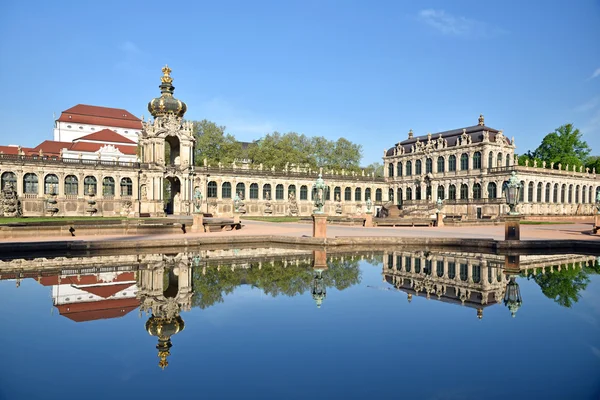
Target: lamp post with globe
[{"x": 512, "y": 191}]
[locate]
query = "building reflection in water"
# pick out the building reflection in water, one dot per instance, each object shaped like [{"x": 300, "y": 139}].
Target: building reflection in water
[
  {"x": 473, "y": 280},
  {"x": 165, "y": 285}
]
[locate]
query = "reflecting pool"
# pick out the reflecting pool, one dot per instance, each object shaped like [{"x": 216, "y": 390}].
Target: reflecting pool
[{"x": 295, "y": 324}]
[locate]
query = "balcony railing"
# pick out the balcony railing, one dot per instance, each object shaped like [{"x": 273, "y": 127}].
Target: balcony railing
[{"x": 70, "y": 161}]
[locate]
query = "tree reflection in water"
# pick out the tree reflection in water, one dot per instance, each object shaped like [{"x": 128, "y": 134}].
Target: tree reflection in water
[{"x": 274, "y": 278}]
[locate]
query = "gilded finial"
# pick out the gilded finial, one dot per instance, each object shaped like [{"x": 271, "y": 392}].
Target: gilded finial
[
  {"x": 163, "y": 363},
  {"x": 166, "y": 78},
  {"x": 481, "y": 121}
]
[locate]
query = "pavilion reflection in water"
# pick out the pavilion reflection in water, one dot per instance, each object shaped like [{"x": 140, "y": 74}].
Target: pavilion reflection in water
[
  {"x": 162, "y": 285},
  {"x": 469, "y": 279},
  {"x": 165, "y": 285}
]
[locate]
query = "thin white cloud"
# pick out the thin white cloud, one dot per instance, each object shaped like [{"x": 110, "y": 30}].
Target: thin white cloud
[
  {"x": 129, "y": 48},
  {"x": 595, "y": 74},
  {"x": 452, "y": 25},
  {"x": 588, "y": 105}
]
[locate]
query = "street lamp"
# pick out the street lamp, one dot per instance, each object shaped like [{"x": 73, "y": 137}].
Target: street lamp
[
  {"x": 319, "y": 291},
  {"x": 512, "y": 190},
  {"x": 512, "y": 297}
]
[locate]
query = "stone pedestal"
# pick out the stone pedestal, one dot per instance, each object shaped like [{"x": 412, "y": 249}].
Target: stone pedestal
[
  {"x": 512, "y": 264},
  {"x": 439, "y": 219},
  {"x": 368, "y": 220},
  {"x": 320, "y": 259},
  {"x": 197, "y": 223},
  {"x": 512, "y": 227},
  {"x": 319, "y": 225},
  {"x": 596, "y": 223},
  {"x": 236, "y": 218}
]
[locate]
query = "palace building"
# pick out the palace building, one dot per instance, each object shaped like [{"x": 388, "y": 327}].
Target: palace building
[
  {"x": 106, "y": 162},
  {"x": 466, "y": 168}
]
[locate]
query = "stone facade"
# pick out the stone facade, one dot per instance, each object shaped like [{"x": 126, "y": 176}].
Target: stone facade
[{"x": 467, "y": 169}]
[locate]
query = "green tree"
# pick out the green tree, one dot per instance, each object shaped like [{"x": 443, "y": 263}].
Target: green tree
[
  {"x": 565, "y": 146},
  {"x": 593, "y": 162},
  {"x": 346, "y": 155},
  {"x": 213, "y": 144},
  {"x": 376, "y": 168}
]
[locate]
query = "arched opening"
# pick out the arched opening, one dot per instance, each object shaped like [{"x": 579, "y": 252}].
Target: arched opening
[
  {"x": 172, "y": 195},
  {"x": 172, "y": 151}
]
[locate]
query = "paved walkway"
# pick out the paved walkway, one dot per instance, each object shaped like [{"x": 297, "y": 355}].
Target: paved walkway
[{"x": 577, "y": 231}]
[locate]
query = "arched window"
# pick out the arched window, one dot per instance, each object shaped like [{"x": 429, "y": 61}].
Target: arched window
[
  {"x": 563, "y": 193},
  {"x": 378, "y": 195},
  {"x": 292, "y": 189},
  {"x": 597, "y": 191},
  {"x": 492, "y": 190},
  {"x": 368, "y": 194},
  {"x": 337, "y": 193},
  {"x": 463, "y": 272},
  {"x": 464, "y": 162},
  {"x": 499, "y": 160},
  {"x": 418, "y": 167},
  {"x": 452, "y": 163},
  {"x": 491, "y": 159},
  {"x": 428, "y": 192},
  {"x": 440, "y": 164},
  {"x": 108, "y": 186},
  {"x": 591, "y": 197},
  {"x": 89, "y": 185},
  {"x": 418, "y": 192},
  {"x": 530, "y": 192},
  {"x": 212, "y": 189},
  {"x": 279, "y": 192},
  {"x": 391, "y": 195},
  {"x": 477, "y": 191},
  {"x": 347, "y": 194},
  {"x": 540, "y": 187},
  {"x": 51, "y": 184},
  {"x": 399, "y": 197},
  {"x": 328, "y": 193},
  {"x": 357, "y": 194},
  {"x": 577, "y": 194},
  {"x": 399, "y": 169},
  {"x": 428, "y": 166},
  {"x": 408, "y": 168},
  {"x": 30, "y": 184},
  {"x": 547, "y": 192},
  {"x": 240, "y": 190},
  {"x": 452, "y": 192},
  {"x": 408, "y": 194},
  {"x": 441, "y": 192},
  {"x": 583, "y": 193},
  {"x": 570, "y": 193},
  {"x": 254, "y": 191},
  {"x": 556, "y": 192},
  {"x": 9, "y": 178},
  {"x": 303, "y": 192},
  {"x": 266, "y": 191},
  {"x": 391, "y": 170},
  {"x": 226, "y": 190},
  {"x": 126, "y": 187},
  {"x": 477, "y": 160},
  {"x": 522, "y": 192},
  {"x": 508, "y": 160},
  {"x": 464, "y": 191}
]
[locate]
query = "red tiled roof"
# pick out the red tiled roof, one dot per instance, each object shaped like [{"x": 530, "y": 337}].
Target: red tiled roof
[
  {"x": 93, "y": 147},
  {"x": 106, "y": 291},
  {"x": 9, "y": 150},
  {"x": 105, "y": 116},
  {"x": 84, "y": 279},
  {"x": 105, "y": 135},
  {"x": 93, "y": 310},
  {"x": 51, "y": 147}
]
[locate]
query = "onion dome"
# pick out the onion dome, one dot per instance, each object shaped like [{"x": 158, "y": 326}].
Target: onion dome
[
  {"x": 164, "y": 328},
  {"x": 166, "y": 103}
]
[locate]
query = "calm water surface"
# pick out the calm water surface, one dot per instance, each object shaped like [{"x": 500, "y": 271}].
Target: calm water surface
[{"x": 293, "y": 324}]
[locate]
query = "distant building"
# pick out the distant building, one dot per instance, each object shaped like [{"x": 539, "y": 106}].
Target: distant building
[{"x": 82, "y": 120}]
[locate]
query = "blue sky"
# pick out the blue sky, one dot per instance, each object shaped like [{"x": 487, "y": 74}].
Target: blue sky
[{"x": 365, "y": 70}]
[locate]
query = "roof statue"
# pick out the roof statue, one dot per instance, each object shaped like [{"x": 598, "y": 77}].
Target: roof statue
[{"x": 481, "y": 120}]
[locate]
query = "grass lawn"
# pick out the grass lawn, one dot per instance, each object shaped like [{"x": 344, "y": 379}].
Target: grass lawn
[
  {"x": 272, "y": 219},
  {"x": 14, "y": 220}
]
